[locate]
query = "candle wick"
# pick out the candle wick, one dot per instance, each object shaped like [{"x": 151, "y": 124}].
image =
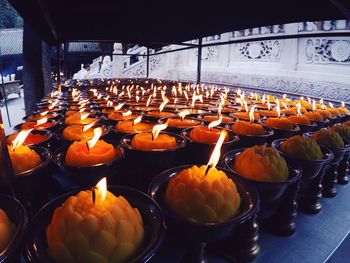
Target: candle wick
[
  {"x": 87, "y": 146},
  {"x": 152, "y": 136},
  {"x": 93, "y": 193},
  {"x": 207, "y": 170}
]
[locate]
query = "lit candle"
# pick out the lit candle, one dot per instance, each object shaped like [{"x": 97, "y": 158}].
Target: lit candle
[
  {"x": 86, "y": 153},
  {"x": 131, "y": 126},
  {"x": 95, "y": 226},
  {"x": 248, "y": 128},
  {"x": 261, "y": 163},
  {"x": 7, "y": 230},
  {"x": 207, "y": 134},
  {"x": 280, "y": 122},
  {"x": 40, "y": 124},
  {"x": 204, "y": 194},
  {"x": 154, "y": 140},
  {"x": 22, "y": 157}
]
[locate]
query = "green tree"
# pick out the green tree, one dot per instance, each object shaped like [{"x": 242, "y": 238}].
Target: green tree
[{"x": 9, "y": 18}]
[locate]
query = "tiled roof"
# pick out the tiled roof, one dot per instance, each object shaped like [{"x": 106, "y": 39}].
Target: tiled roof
[
  {"x": 83, "y": 47},
  {"x": 11, "y": 41}
]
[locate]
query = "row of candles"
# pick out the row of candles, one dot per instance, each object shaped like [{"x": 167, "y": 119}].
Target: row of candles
[{"x": 155, "y": 127}]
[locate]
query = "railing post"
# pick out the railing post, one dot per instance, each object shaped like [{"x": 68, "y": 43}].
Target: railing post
[
  {"x": 199, "y": 61},
  {"x": 3, "y": 90},
  {"x": 147, "y": 63},
  {"x": 58, "y": 52}
]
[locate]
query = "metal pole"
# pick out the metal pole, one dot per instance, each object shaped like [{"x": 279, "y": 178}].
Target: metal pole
[
  {"x": 58, "y": 48},
  {"x": 147, "y": 65},
  {"x": 199, "y": 61},
  {"x": 3, "y": 89}
]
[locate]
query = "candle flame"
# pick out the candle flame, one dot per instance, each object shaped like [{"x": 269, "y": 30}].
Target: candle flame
[
  {"x": 137, "y": 120},
  {"x": 109, "y": 103},
  {"x": 331, "y": 104},
  {"x": 251, "y": 114},
  {"x": 53, "y": 105},
  {"x": 263, "y": 100},
  {"x": 186, "y": 96},
  {"x": 137, "y": 98},
  {"x": 268, "y": 105},
  {"x": 184, "y": 113},
  {"x": 84, "y": 116},
  {"x": 343, "y": 104},
  {"x": 215, "y": 156},
  {"x": 285, "y": 106},
  {"x": 97, "y": 134},
  {"x": 101, "y": 186},
  {"x": 220, "y": 109},
  {"x": 87, "y": 127},
  {"x": 148, "y": 101},
  {"x": 41, "y": 121},
  {"x": 161, "y": 107},
  {"x": 278, "y": 108},
  {"x": 298, "y": 105},
  {"x": 44, "y": 113},
  {"x": 128, "y": 113},
  {"x": 215, "y": 123},
  {"x": 313, "y": 105},
  {"x": 321, "y": 101},
  {"x": 20, "y": 138},
  {"x": 158, "y": 128},
  {"x": 245, "y": 106},
  {"x": 119, "y": 106}
]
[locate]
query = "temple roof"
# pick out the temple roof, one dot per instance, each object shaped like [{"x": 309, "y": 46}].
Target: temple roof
[
  {"x": 11, "y": 41},
  {"x": 156, "y": 21}
]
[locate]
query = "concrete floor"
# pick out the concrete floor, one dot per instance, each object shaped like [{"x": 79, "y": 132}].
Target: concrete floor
[{"x": 16, "y": 112}]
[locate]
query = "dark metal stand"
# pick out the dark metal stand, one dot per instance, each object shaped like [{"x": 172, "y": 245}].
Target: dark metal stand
[
  {"x": 199, "y": 61},
  {"x": 283, "y": 222},
  {"x": 343, "y": 170},
  {"x": 329, "y": 181}
]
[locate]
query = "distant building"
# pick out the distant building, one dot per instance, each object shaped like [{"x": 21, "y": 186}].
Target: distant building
[{"x": 11, "y": 49}]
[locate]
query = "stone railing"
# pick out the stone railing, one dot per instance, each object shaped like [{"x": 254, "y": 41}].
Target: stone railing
[{"x": 315, "y": 66}]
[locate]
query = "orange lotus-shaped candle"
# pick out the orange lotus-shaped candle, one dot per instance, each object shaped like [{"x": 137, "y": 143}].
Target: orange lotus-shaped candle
[
  {"x": 117, "y": 116},
  {"x": 154, "y": 140},
  {"x": 86, "y": 153},
  {"x": 203, "y": 134},
  {"x": 300, "y": 120},
  {"x": 302, "y": 147},
  {"x": 328, "y": 138},
  {"x": 247, "y": 128},
  {"x": 131, "y": 126},
  {"x": 204, "y": 198},
  {"x": 107, "y": 229},
  {"x": 32, "y": 138},
  {"x": 78, "y": 118},
  {"x": 7, "y": 230},
  {"x": 314, "y": 116},
  {"x": 78, "y": 132},
  {"x": 22, "y": 157},
  {"x": 179, "y": 122},
  {"x": 261, "y": 163},
  {"x": 325, "y": 114},
  {"x": 280, "y": 123},
  {"x": 343, "y": 130},
  {"x": 204, "y": 194},
  {"x": 211, "y": 118},
  {"x": 245, "y": 115}
]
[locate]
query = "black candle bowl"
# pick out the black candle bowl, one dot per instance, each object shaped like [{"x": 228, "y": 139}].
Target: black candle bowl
[
  {"x": 251, "y": 140},
  {"x": 153, "y": 220},
  {"x": 270, "y": 193},
  {"x": 48, "y": 142},
  {"x": 45, "y": 156},
  {"x": 179, "y": 129},
  {"x": 307, "y": 127},
  {"x": 194, "y": 233},
  {"x": 18, "y": 216},
  {"x": 311, "y": 168},
  {"x": 56, "y": 126},
  {"x": 280, "y": 134},
  {"x": 117, "y": 135},
  {"x": 53, "y": 116},
  {"x": 90, "y": 175},
  {"x": 200, "y": 153},
  {"x": 28, "y": 185},
  {"x": 140, "y": 166},
  {"x": 321, "y": 124}
]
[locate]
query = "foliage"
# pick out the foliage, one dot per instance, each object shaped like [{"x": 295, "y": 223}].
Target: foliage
[{"x": 9, "y": 18}]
